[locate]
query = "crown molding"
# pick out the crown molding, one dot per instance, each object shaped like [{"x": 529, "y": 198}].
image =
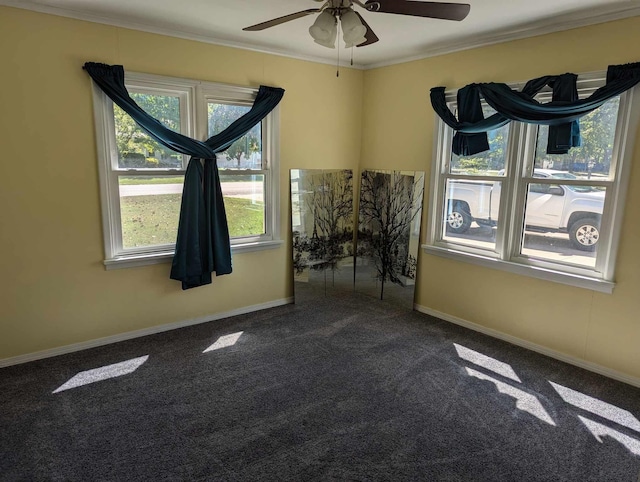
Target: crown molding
[
  {"x": 170, "y": 32},
  {"x": 531, "y": 29},
  {"x": 527, "y": 30}
]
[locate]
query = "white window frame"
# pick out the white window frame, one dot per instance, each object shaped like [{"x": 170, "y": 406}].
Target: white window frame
[
  {"x": 519, "y": 159},
  {"x": 194, "y": 96}
]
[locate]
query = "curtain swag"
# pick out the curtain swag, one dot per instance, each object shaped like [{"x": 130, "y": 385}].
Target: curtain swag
[
  {"x": 561, "y": 114},
  {"x": 202, "y": 245}
]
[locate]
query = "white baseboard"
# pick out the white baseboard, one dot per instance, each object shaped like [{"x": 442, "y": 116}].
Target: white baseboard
[
  {"x": 579, "y": 362},
  {"x": 138, "y": 333}
]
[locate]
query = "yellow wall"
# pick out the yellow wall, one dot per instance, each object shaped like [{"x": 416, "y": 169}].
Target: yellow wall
[
  {"x": 398, "y": 128},
  {"x": 55, "y": 290}
]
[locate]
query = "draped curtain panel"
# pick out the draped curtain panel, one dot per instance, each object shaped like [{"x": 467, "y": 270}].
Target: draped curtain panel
[
  {"x": 562, "y": 113},
  {"x": 202, "y": 245}
]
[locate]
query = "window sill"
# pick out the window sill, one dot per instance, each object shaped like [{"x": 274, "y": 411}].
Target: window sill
[
  {"x": 136, "y": 260},
  {"x": 578, "y": 281}
]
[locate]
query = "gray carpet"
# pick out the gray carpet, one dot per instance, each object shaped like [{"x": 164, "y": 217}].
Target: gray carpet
[{"x": 332, "y": 388}]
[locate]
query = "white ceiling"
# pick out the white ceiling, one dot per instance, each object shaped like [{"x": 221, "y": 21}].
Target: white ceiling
[{"x": 401, "y": 37}]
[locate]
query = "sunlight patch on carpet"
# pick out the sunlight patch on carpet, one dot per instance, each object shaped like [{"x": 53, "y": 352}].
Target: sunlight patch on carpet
[
  {"x": 526, "y": 402},
  {"x": 225, "y": 341},
  {"x": 487, "y": 362},
  {"x": 598, "y": 407},
  {"x": 599, "y": 430},
  {"x": 102, "y": 373}
]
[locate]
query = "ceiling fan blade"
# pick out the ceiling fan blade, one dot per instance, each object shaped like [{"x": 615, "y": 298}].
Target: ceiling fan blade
[
  {"x": 279, "y": 20},
  {"x": 370, "y": 35},
  {"x": 444, "y": 11}
]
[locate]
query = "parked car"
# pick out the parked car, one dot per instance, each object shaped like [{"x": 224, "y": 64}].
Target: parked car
[{"x": 571, "y": 209}]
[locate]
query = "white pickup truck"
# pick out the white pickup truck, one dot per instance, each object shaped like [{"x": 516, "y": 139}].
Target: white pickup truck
[{"x": 575, "y": 210}]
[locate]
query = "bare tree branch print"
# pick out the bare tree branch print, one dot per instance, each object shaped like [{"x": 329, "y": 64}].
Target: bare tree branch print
[
  {"x": 389, "y": 203},
  {"x": 327, "y": 198}
]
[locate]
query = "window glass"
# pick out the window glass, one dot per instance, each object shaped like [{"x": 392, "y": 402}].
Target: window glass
[
  {"x": 472, "y": 212},
  {"x": 522, "y": 210},
  {"x": 246, "y": 152},
  {"x": 149, "y": 209},
  {"x": 142, "y": 182},
  {"x": 136, "y": 150},
  {"x": 592, "y": 160},
  {"x": 488, "y": 163},
  {"x": 555, "y": 230},
  {"x": 244, "y": 203}
]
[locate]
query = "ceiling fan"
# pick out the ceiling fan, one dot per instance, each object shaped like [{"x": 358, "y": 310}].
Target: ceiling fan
[{"x": 356, "y": 32}]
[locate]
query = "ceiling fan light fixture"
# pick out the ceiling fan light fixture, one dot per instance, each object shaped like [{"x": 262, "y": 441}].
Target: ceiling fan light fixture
[
  {"x": 331, "y": 43},
  {"x": 356, "y": 31},
  {"x": 355, "y": 43},
  {"x": 353, "y": 32},
  {"x": 324, "y": 30}
]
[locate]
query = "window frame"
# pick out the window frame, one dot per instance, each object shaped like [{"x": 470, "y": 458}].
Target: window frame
[
  {"x": 194, "y": 97},
  {"x": 520, "y": 156}
]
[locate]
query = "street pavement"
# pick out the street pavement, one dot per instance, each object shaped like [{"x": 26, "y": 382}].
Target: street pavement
[{"x": 241, "y": 189}]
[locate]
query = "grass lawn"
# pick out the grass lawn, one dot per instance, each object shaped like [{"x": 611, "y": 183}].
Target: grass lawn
[{"x": 150, "y": 220}]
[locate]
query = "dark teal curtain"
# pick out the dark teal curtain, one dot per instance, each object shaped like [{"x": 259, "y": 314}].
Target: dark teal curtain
[
  {"x": 202, "y": 245},
  {"x": 562, "y": 113},
  {"x": 469, "y": 111},
  {"x": 563, "y": 137}
]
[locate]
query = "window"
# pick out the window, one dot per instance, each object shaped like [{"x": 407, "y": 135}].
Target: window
[
  {"x": 141, "y": 181},
  {"x": 516, "y": 208}
]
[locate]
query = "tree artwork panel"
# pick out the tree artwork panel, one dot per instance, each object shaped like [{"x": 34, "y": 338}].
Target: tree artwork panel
[
  {"x": 322, "y": 224},
  {"x": 387, "y": 245}
]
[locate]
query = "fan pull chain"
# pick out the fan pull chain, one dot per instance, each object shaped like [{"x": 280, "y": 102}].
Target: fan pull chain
[
  {"x": 338, "y": 66},
  {"x": 351, "y": 56}
]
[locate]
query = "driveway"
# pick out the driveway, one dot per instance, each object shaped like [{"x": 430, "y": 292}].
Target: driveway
[{"x": 548, "y": 246}]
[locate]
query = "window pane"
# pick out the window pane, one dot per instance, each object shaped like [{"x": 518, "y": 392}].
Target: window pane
[
  {"x": 246, "y": 152},
  {"x": 592, "y": 160},
  {"x": 244, "y": 204},
  {"x": 135, "y": 148},
  {"x": 149, "y": 209},
  {"x": 471, "y": 212},
  {"x": 562, "y": 223},
  {"x": 488, "y": 163}
]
